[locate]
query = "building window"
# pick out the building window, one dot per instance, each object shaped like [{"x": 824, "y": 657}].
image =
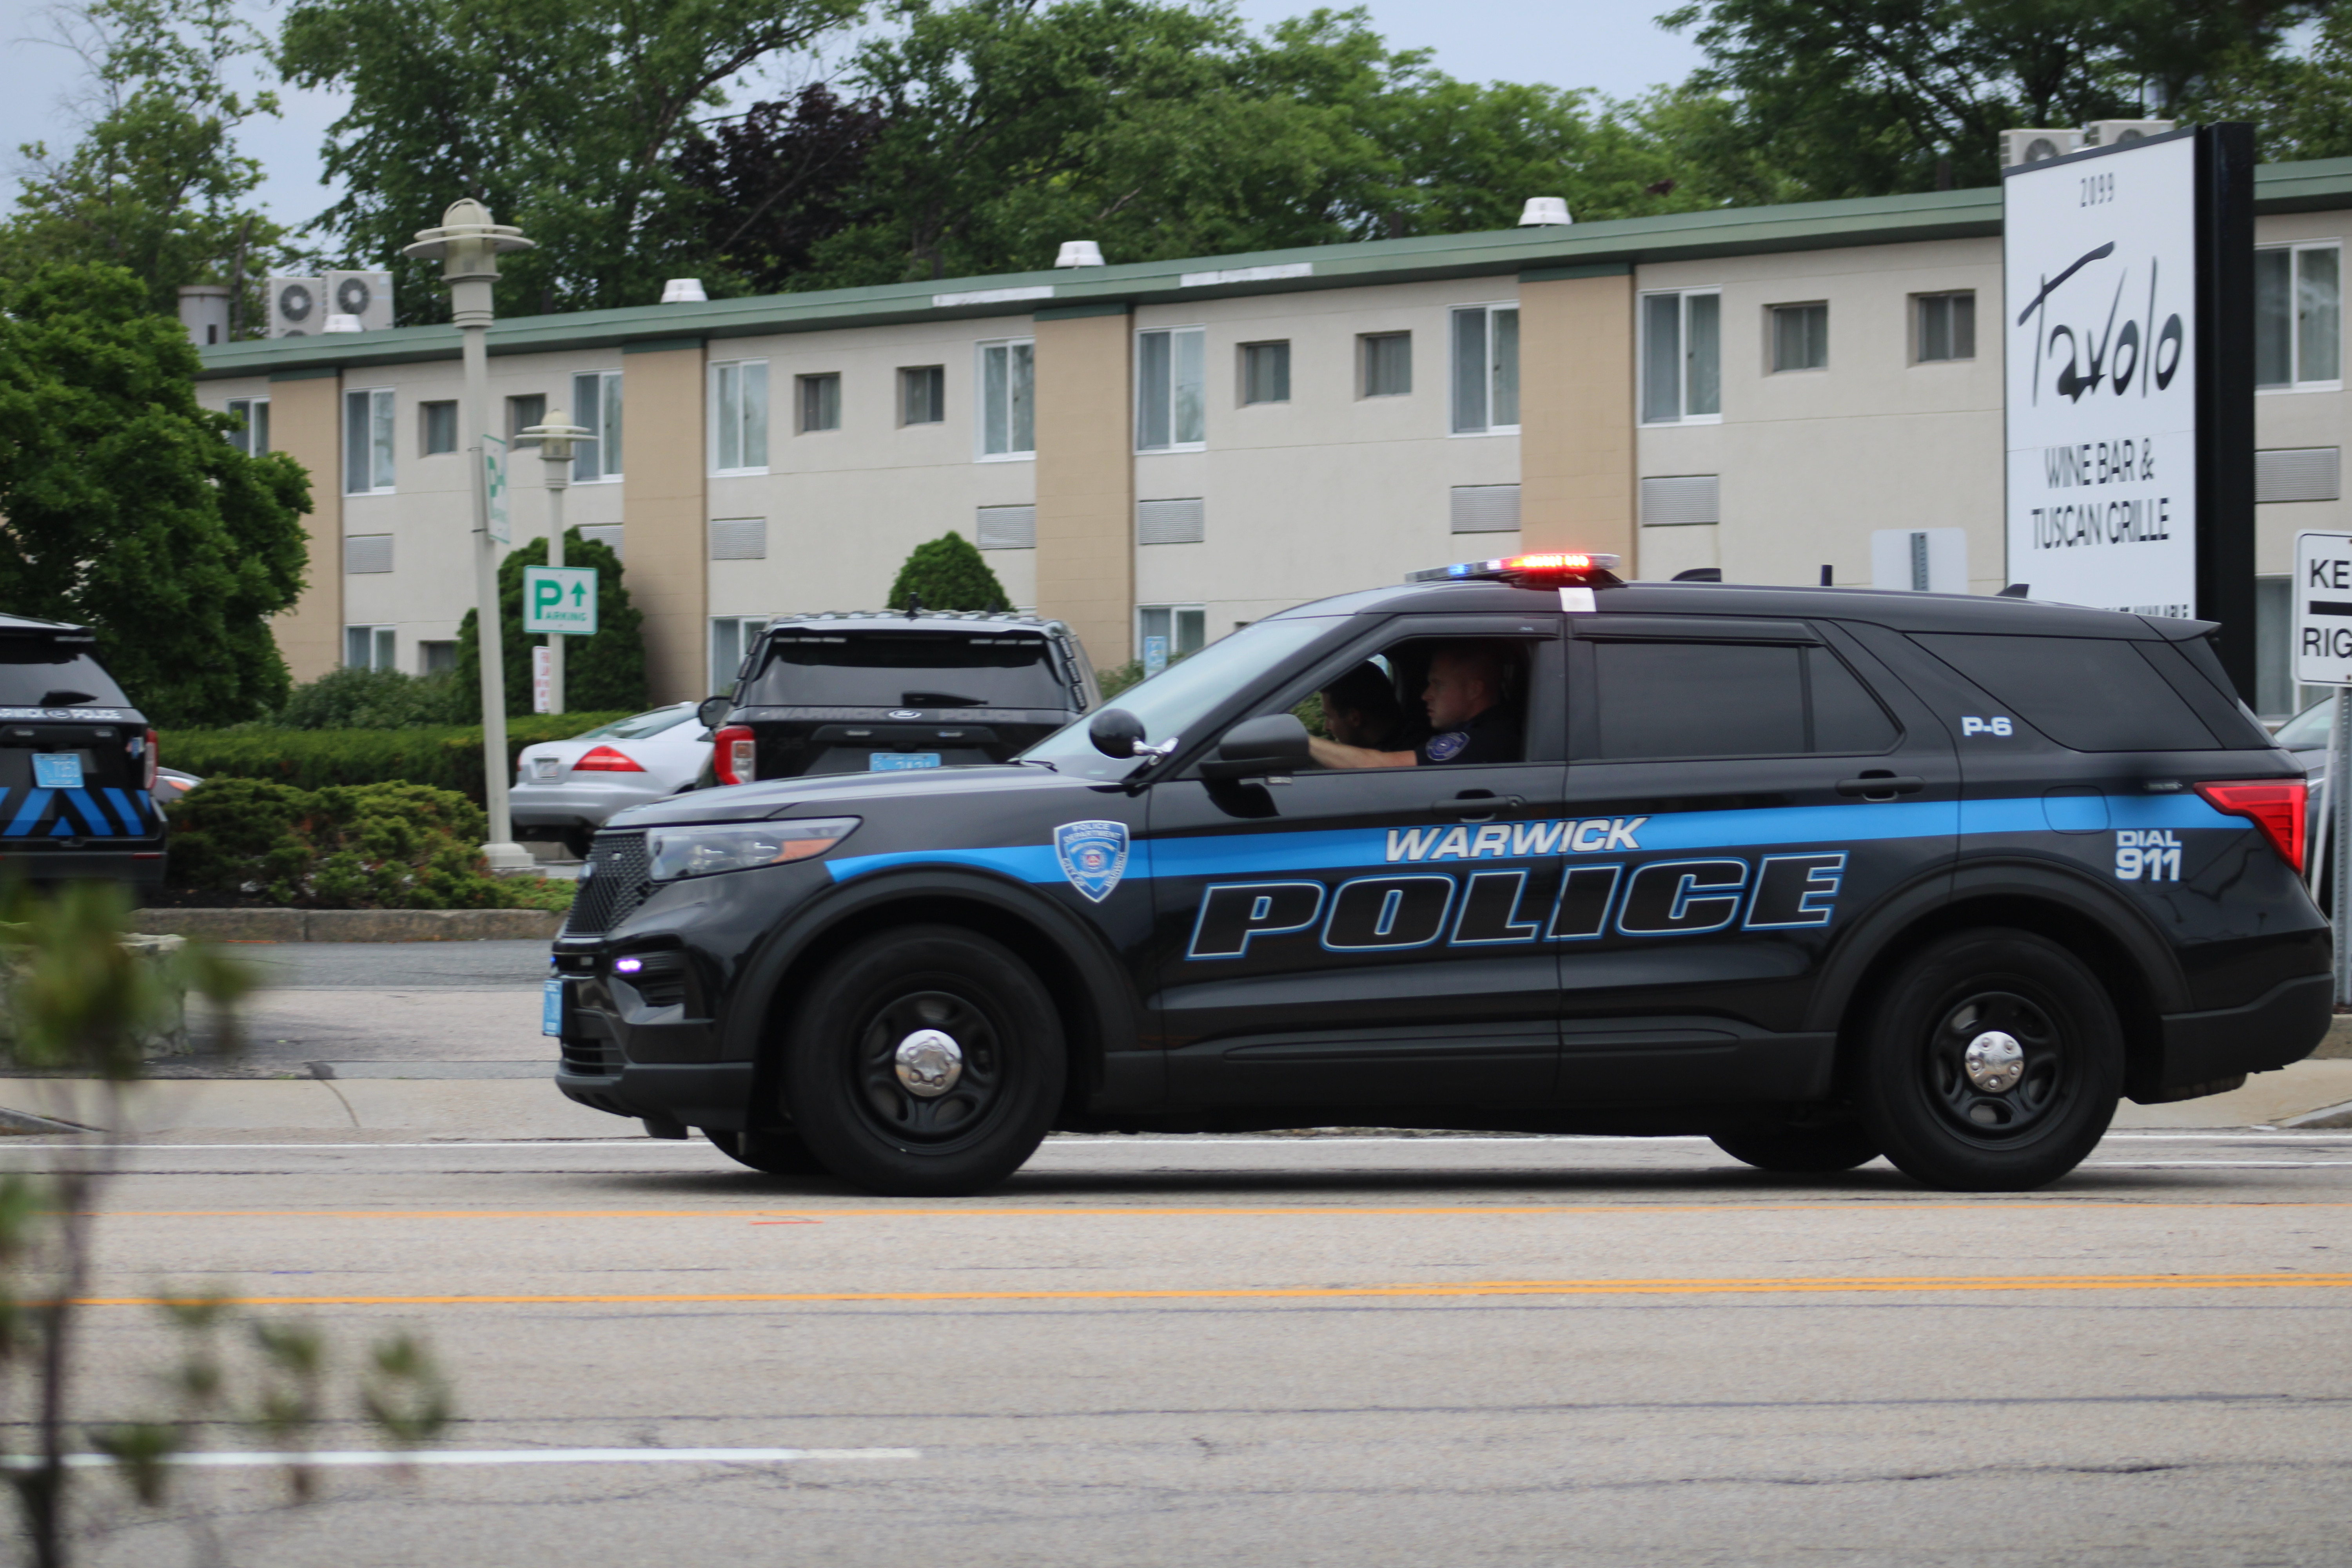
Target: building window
[
  {"x": 739, "y": 432},
  {"x": 1944, "y": 327},
  {"x": 370, "y": 648},
  {"x": 253, "y": 438},
  {"x": 923, "y": 395},
  {"x": 437, "y": 428},
  {"x": 1165, "y": 633},
  {"x": 522, "y": 413},
  {"x": 731, "y": 636},
  {"x": 1008, "y": 399},
  {"x": 437, "y": 657},
  {"x": 1171, "y": 390},
  {"x": 367, "y": 442},
  {"x": 1682, "y": 357},
  {"x": 2299, "y": 316},
  {"x": 1800, "y": 337},
  {"x": 820, "y": 403},
  {"x": 1486, "y": 370},
  {"x": 1265, "y": 373},
  {"x": 1385, "y": 368},
  {"x": 596, "y": 408}
]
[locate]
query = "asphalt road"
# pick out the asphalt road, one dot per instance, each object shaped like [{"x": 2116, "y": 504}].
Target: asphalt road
[{"x": 1426, "y": 1350}]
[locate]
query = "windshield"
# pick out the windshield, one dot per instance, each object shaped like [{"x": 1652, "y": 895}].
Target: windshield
[
  {"x": 812, "y": 668},
  {"x": 1182, "y": 695},
  {"x": 638, "y": 726},
  {"x": 37, "y": 673}
]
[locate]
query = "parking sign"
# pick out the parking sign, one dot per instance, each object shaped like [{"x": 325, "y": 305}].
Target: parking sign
[
  {"x": 560, "y": 599},
  {"x": 2323, "y": 609}
]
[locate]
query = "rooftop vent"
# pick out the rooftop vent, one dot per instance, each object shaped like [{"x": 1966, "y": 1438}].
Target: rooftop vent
[
  {"x": 683, "y": 292},
  {"x": 1545, "y": 212},
  {"x": 203, "y": 310},
  {"x": 1079, "y": 253}
]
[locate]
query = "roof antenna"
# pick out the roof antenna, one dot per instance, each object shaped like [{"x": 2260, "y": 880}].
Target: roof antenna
[
  {"x": 1828, "y": 578},
  {"x": 914, "y": 604},
  {"x": 2015, "y": 591}
]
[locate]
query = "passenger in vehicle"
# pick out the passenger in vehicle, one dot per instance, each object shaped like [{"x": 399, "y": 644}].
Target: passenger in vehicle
[
  {"x": 1360, "y": 709},
  {"x": 1470, "y": 721}
]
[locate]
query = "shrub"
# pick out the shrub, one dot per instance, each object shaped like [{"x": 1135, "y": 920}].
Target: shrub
[
  {"x": 948, "y": 573},
  {"x": 380, "y": 846},
  {"x": 607, "y": 671},
  {"x": 448, "y": 757},
  {"x": 356, "y": 698}
]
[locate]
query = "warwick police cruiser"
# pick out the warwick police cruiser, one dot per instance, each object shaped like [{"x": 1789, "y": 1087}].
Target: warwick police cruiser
[{"x": 1821, "y": 874}]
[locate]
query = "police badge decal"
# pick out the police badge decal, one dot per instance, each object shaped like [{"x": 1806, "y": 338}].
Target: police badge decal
[{"x": 1093, "y": 856}]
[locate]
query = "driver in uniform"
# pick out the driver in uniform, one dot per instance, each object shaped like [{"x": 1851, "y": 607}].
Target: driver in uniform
[{"x": 1469, "y": 723}]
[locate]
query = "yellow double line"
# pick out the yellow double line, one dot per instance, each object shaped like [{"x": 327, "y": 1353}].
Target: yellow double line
[{"x": 1793, "y": 1286}]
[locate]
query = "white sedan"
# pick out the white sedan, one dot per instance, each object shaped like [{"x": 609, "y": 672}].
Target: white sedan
[{"x": 565, "y": 790}]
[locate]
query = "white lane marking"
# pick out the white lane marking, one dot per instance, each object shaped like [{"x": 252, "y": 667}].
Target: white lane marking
[
  {"x": 2208, "y": 1164},
  {"x": 364, "y": 1457},
  {"x": 1180, "y": 1139}
]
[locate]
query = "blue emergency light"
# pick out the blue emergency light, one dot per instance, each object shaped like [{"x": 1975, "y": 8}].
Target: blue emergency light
[{"x": 1549, "y": 569}]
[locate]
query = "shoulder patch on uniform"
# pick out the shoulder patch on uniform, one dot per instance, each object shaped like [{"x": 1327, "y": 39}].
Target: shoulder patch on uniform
[
  {"x": 1093, "y": 856},
  {"x": 1446, "y": 747}
]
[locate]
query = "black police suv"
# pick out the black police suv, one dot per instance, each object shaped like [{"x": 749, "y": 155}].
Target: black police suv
[
  {"x": 878, "y": 691},
  {"x": 1822, "y": 874},
  {"x": 76, "y": 763}
]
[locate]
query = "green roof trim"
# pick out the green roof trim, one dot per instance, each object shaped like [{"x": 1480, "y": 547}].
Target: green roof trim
[
  {"x": 311, "y": 373},
  {"x": 1562, "y": 274},
  {"x": 1615, "y": 246},
  {"x": 1081, "y": 311}
]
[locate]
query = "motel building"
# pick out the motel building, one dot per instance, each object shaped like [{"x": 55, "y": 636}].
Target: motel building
[{"x": 1173, "y": 449}]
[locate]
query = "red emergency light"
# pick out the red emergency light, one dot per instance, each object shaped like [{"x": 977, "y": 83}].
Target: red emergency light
[{"x": 1541, "y": 569}]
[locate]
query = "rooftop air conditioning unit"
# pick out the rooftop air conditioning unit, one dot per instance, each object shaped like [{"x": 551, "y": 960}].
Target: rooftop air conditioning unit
[
  {"x": 683, "y": 292},
  {"x": 2033, "y": 146},
  {"x": 1079, "y": 253},
  {"x": 1545, "y": 212},
  {"x": 298, "y": 307},
  {"x": 2118, "y": 133},
  {"x": 367, "y": 295}
]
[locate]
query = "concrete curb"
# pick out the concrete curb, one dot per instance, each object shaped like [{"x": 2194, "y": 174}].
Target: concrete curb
[{"x": 353, "y": 925}]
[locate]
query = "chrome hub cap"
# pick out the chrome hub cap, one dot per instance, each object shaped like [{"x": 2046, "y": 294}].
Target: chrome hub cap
[
  {"x": 929, "y": 1062},
  {"x": 1994, "y": 1061}
]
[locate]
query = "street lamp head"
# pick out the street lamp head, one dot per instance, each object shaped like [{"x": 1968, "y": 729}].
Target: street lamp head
[
  {"x": 556, "y": 436},
  {"x": 468, "y": 244}
]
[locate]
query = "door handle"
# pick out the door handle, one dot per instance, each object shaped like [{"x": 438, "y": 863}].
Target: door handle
[
  {"x": 1478, "y": 805},
  {"x": 1876, "y": 785}
]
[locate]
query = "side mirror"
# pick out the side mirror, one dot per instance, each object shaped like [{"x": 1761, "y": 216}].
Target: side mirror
[
  {"x": 714, "y": 711},
  {"x": 1256, "y": 748},
  {"x": 1115, "y": 732}
]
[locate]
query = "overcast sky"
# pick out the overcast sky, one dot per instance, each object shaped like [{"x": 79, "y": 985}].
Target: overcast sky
[{"x": 1611, "y": 44}]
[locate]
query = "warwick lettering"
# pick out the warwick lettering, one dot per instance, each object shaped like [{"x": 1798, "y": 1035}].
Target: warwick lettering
[{"x": 1593, "y": 836}]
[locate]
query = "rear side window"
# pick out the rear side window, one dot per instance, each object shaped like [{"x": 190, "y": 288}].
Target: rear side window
[
  {"x": 1659, "y": 700},
  {"x": 37, "y": 673},
  {"x": 2088, "y": 694},
  {"x": 815, "y": 668}
]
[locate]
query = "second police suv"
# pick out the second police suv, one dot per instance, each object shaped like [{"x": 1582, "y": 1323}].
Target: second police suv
[{"x": 1822, "y": 874}]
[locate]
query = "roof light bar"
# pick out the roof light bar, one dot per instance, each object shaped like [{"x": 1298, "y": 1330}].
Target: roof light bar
[{"x": 1546, "y": 569}]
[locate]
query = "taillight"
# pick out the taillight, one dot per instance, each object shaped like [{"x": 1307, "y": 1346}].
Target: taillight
[
  {"x": 155, "y": 759},
  {"x": 604, "y": 760},
  {"x": 2274, "y": 805},
  {"x": 735, "y": 755}
]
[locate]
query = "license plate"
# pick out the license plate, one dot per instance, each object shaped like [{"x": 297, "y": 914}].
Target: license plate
[
  {"x": 62, "y": 770},
  {"x": 544, "y": 767},
  {"x": 551, "y": 1018},
  {"x": 891, "y": 761}
]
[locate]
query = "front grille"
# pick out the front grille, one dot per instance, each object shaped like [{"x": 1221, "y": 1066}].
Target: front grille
[
  {"x": 664, "y": 990},
  {"x": 616, "y": 880},
  {"x": 593, "y": 1057}
]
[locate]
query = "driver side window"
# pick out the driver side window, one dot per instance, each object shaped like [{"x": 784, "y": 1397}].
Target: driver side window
[{"x": 1427, "y": 700}]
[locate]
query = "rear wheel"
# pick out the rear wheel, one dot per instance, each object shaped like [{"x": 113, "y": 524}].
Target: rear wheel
[
  {"x": 1991, "y": 1062},
  {"x": 1801, "y": 1150},
  {"x": 777, "y": 1154},
  {"x": 926, "y": 1062}
]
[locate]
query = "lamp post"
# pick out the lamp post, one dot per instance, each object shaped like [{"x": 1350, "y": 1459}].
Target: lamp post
[
  {"x": 556, "y": 436},
  {"x": 468, "y": 245}
]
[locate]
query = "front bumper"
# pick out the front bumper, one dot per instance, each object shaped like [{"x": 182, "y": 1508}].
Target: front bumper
[
  {"x": 711, "y": 1095},
  {"x": 141, "y": 866}
]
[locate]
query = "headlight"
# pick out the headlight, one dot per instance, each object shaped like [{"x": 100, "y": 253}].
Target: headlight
[{"x": 740, "y": 845}]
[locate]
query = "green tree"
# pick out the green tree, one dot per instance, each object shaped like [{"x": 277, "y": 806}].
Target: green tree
[
  {"x": 2300, "y": 105},
  {"x": 155, "y": 184},
  {"x": 602, "y": 673},
  {"x": 948, "y": 574},
  {"x": 1858, "y": 98},
  {"x": 126, "y": 508},
  {"x": 562, "y": 119}
]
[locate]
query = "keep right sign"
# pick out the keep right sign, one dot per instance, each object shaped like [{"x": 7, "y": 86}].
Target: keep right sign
[{"x": 2323, "y": 609}]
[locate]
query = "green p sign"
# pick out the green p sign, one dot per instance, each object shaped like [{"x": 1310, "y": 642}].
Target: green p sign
[{"x": 560, "y": 599}]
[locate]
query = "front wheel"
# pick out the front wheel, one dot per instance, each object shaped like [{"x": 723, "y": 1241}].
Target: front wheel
[
  {"x": 927, "y": 1062},
  {"x": 1991, "y": 1062},
  {"x": 1801, "y": 1151}
]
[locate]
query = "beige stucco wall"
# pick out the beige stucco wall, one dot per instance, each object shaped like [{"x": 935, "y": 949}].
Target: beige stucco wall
[
  {"x": 664, "y": 497},
  {"x": 305, "y": 423},
  {"x": 2299, "y": 418},
  {"x": 1576, "y": 401},
  {"x": 1086, "y": 481}
]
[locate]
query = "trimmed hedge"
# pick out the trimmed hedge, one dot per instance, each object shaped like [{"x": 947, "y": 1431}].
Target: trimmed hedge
[{"x": 446, "y": 757}]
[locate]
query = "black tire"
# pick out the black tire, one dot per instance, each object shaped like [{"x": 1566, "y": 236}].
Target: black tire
[
  {"x": 856, "y": 1106},
  {"x": 776, "y": 1153},
  {"x": 1949, "y": 1126},
  {"x": 1801, "y": 1151}
]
